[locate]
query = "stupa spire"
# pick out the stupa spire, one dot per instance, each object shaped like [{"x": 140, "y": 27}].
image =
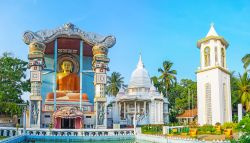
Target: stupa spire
[
  {"x": 212, "y": 31},
  {"x": 140, "y": 63}
]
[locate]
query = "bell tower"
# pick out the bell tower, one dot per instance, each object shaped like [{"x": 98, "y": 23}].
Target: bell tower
[{"x": 213, "y": 80}]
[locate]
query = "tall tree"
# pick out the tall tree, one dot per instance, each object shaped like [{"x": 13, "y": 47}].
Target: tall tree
[
  {"x": 168, "y": 76},
  {"x": 246, "y": 61},
  {"x": 114, "y": 83},
  {"x": 244, "y": 90},
  {"x": 235, "y": 98},
  {"x": 158, "y": 85},
  {"x": 13, "y": 82}
]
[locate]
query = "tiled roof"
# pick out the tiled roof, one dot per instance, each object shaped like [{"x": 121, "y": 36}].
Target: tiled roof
[{"x": 188, "y": 113}]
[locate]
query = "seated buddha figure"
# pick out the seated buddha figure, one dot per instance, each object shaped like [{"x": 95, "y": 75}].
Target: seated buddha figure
[{"x": 68, "y": 85}]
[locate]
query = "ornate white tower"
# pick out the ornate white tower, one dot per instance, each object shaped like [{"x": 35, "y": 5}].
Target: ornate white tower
[{"x": 213, "y": 80}]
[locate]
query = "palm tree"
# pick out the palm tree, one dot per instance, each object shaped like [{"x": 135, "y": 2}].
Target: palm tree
[
  {"x": 157, "y": 83},
  {"x": 114, "y": 83},
  {"x": 168, "y": 76},
  {"x": 244, "y": 90},
  {"x": 246, "y": 60}
]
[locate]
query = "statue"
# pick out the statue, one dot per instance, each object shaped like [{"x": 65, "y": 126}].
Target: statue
[
  {"x": 100, "y": 114},
  {"x": 67, "y": 81},
  {"x": 68, "y": 84}
]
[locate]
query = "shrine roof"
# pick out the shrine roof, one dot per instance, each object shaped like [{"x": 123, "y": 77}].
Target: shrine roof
[{"x": 70, "y": 31}]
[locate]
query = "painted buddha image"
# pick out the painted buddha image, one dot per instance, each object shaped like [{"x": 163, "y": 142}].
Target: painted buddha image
[
  {"x": 67, "y": 81},
  {"x": 68, "y": 84}
]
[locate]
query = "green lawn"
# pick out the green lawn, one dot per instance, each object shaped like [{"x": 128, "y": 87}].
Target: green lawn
[{"x": 2, "y": 137}]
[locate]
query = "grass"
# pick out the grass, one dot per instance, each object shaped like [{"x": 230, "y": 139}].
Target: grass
[{"x": 2, "y": 137}]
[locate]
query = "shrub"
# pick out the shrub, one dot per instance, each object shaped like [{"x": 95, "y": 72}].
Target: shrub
[
  {"x": 206, "y": 129},
  {"x": 229, "y": 125},
  {"x": 244, "y": 125},
  {"x": 151, "y": 129},
  {"x": 193, "y": 124}
]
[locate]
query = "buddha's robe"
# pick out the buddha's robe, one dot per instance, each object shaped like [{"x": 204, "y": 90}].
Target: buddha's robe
[{"x": 68, "y": 82}]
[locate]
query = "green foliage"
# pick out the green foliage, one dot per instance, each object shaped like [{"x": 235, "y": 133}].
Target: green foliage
[
  {"x": 152, "y": 129},
  {"x": 9, "y": 108},
  {"x": 185, "y": 130},
  {"x": 193, "y": 124},
  {"x": 206, "y": 129},
  {"x": 246, "y": 61},
  {"x": 235, "y": 98},
  {"x": 229, "y": 125},
  {"x": 244, "y": 127},
  {"x": 167, "y": 77},
  {"x": 114, "y": 83},
  {"x": 182, "y": 96},
  {"x": 13, "y": 83},
  {"x": 244, "y": 90}
]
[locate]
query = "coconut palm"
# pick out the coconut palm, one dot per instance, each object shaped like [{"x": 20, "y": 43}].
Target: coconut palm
[
  {"x": 168, "y": 76},
  {"x": 246, "y": 60},
  {"x": 114, "y": 83},
  {"x": 157, "y": 83},
  {"x": 244, "y": 90}
]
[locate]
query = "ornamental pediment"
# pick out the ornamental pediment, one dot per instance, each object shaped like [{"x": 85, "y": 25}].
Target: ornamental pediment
[{"x": 68, "y": 30}]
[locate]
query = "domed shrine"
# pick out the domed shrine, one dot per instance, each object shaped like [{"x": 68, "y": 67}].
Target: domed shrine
[
  {"x": 68, "y": 74},
  {"x": 140, "y": 103}
]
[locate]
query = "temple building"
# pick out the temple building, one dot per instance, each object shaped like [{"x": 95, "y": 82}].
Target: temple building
[
  {"x": 140, "y": 103},
  {"x": 68, "y": 75},
  {"x": 213, "y": 80}
]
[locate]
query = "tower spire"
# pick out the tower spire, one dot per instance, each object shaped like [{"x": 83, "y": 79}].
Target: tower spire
[
  {"x": 140, "y": 63},
  {"x": 212, "y": 31}
]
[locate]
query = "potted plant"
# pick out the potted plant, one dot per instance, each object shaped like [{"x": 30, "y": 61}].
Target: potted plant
[
  {"x": 228, "y": 129},
  {"x": 218, "y": 128},
  {"x": 185, "y": 131},
  {"x": 193, "y": 129}
]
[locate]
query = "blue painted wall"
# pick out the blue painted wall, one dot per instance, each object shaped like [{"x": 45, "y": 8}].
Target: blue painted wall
[{"x": 87, "y": 79}]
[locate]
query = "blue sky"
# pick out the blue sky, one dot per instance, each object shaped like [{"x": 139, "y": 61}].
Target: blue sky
[{"x": 160, "y": 30}]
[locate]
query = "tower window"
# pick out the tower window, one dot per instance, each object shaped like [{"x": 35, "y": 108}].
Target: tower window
[
  {"x": 222, "y": 57},
  {"x": 216, "y": 55},
  {"x": 207, "y": 56}
]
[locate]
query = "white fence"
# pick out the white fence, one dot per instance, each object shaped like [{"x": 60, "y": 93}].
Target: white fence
[
  {"x": 8, "y": 131},
  {"x": 161, "y": 139}
]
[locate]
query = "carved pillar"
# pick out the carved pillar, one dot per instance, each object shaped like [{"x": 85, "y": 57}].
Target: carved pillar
[
  {"x": 100, "y": 67},
  {"x": 36, "y": 64}
]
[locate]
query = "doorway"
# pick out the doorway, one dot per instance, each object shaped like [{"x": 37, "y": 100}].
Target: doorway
[{"x": 68, "y": 123}]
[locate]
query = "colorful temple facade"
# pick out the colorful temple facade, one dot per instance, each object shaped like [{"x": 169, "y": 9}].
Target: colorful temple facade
[{"x": 68, "y": 74}]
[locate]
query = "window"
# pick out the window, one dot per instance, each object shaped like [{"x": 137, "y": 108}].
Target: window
[
  {"x": 208, "y": 108},
  {"x": 88, "y": 116},
  {"x": 207, "y": 56},
  {"x": 216, "y": 55},
  {"x": 222, "y": 57},
  {"x": 47, "y": 116}
]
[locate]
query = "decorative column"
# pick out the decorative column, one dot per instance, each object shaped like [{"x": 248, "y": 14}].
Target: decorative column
[
  {"x": 100, "y": 67},
  {"x": 36, "y": 64}
]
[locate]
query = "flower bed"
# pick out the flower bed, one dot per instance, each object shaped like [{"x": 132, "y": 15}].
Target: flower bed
[{"x": 152, "y": 129}]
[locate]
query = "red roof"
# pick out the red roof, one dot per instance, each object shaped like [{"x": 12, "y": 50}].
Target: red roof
[
  {"x": 188, "y": 114},
  {"x": 69, "y": 43}
]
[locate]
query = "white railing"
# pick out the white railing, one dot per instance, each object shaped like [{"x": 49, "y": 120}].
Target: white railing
[{"x": 8, "y": 131}]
